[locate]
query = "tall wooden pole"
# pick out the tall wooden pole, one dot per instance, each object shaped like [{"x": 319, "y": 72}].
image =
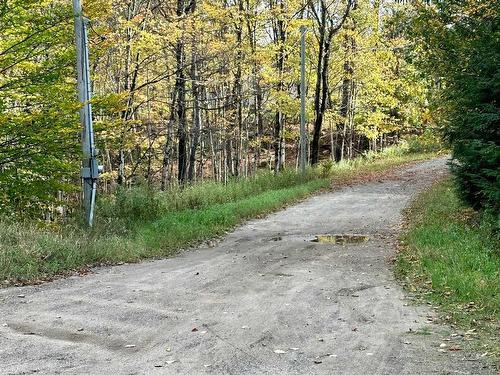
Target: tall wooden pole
[{"x": 90, "y": 167}]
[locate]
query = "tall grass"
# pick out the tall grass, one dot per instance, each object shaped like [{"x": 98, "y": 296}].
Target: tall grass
[
  {"x": 142, "y": 223},
  {"x": 452, "y": 257},
  {"x": 142, "y": 203}
]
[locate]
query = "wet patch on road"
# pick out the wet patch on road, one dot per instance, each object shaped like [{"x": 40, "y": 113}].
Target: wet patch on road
[{"x": 341, "y": 239}]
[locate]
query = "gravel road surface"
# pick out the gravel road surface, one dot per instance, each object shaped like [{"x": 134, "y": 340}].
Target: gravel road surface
[{"x": 265, "y": 300}]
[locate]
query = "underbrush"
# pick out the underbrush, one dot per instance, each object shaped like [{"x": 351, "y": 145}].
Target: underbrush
[
  {"x": 451, "y": 257},
  {"x": 143, "y": 204},
  {"x": 142, "y": 222},
  {"x": 429, "y": 141}
]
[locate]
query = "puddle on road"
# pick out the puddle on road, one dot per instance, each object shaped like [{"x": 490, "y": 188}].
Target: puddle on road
[{"x": 341, "y": 239}]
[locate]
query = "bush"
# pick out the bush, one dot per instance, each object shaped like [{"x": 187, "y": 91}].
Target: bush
[
  {"x": 325, "y": 168},
  {"x": 140, "y": 203},
  {"x": 461, "y": 53},
  {"x": 429, "y": 141},
  {"x": 474, "y": 133}
]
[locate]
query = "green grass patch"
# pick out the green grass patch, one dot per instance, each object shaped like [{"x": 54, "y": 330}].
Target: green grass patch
[
  {"x": 451, "y": 257},
  {"x": 142, "y": 223}
]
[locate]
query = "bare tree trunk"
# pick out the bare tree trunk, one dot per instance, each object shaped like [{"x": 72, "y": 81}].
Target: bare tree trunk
[
  {"x": 196, "y": 127},
  {"x": 258, "y": 118},
  {"x": 346, "y": 106},
  {"x": 181, "y": 113},
  {"x": 167, "y": 155},
  {"x": 318, "y": 116},
  {"x": 238, "y": 92},
  {"x": 280, "y": 39},
  {"x": 180, "y": 88},
  {"x": 352, "y": 109},
  {"x": 332, "y": 144}
]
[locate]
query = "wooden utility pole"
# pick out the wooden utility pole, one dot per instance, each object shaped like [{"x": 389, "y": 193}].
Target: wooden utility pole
[{"x": 90, "y": 167}]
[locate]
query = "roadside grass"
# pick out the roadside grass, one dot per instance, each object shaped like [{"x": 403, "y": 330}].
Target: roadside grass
[
  {"x": 143, "y": 223},
  {"x": 450, "y": 257}
]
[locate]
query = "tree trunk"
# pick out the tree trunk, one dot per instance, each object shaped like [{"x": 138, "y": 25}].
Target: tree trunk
[
  {"x": 327, "y": 30},
  {"x": 347, "y": 96},
  {"x": 181, "y": 112},
  {"x": 318, "y": 116},
  {"x": 280, "y": 39},
  {"x": 196, "y": 127}
]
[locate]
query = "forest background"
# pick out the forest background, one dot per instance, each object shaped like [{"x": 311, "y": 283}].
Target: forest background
[{"x": 189, "y": 91}]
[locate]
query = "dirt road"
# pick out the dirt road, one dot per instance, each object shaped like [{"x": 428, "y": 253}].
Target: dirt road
[{"x": 266, "y": 300}]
